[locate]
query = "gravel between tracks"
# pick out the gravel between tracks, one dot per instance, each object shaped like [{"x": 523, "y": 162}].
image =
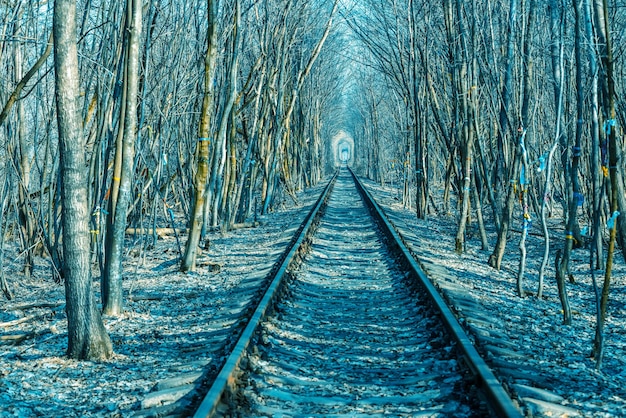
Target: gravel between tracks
[{"x": 351, "y": 338}]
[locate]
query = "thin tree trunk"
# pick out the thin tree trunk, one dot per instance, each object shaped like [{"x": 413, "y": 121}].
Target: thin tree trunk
[
  {"x": 119, "y": 137},
  {"x": 507, "y": 95},
  {"x": 4, "y": 199},
  {"x": 243, "y": 198},
  {"x": 495, "y": 260},
  {"x": 463, "y": 85},
  {"x": 112, "y": 290},
  {"x": 22, "y": 160},
  {"x": 219, "y": 164},
  {"x": 614, "y": 176},
  {"x": 596, "y": 177},
  {"x": 231, "y": 196},
  {"x": 285, "y": 124},
  {"x": 419, "y": 140},
  {"x": 524, "y": 122},
  {"x": 526, "y": 217},
  {"x": 202, "y": 172},
  {"x": 479, "y": 212},
  {"x": 559, "y": 79},
  {"x": 572, "y": 222}
]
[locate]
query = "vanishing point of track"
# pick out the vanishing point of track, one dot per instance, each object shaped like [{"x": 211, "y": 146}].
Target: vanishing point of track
[{"x": 351, "y": 326}]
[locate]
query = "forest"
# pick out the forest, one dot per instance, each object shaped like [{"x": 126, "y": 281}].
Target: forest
[{"x": 121, "y": 120}]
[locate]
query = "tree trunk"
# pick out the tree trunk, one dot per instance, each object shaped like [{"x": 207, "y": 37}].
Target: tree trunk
[
  {"x": 87, "y": 337},
  {"x": 285, "y": 124},
  {"x": 525, "y": 169},
  {"x": 596, "y": 177},
  {"x": 112, "y": 290},
  {"x": 572, "y": 221},
  {"x": 221, "y": 154},
  {"x": 4, "y": 200},
  {"x": 202, "y": 172},
  {"x": 559, "y": 77},
  {"x": 479, "y": 211},
  {"x": 526, "y": 217},
  {"x": 495, "y": 259},
  {"x": 22, "y": 160},
  {"x": 501, "y": 169},
  {"x": 614, "y": 174},
  {"x": 464, "y": 88}
]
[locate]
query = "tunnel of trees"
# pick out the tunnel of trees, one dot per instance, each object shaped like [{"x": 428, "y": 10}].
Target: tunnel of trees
[{"x": 193, "y": 114}]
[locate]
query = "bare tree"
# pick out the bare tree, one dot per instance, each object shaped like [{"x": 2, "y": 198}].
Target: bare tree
[
  {"x": 502, "y": 170},
  {"x": 87, "y": 336},
  {"x": 112, "y": 291},
  {"x": 608, "y": 108},
  {"x": 204, "y": 139}
]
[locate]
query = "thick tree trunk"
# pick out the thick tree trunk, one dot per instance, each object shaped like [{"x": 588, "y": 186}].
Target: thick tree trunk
[{"x": 87, "y": 337}]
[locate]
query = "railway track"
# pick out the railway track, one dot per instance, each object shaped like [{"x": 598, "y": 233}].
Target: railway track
[{"x": 350, "y": 326}]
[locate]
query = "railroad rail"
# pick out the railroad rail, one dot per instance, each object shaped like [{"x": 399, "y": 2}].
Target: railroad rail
[{"x": 351, "y": 325}]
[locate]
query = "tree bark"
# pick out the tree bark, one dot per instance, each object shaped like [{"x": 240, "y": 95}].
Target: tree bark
[
  {"x": 524, "y": 122},
  {"x": 501, "y": 169},
  {"x": 614, "y": 175},
  {"x": 559, "y": 80},
  {"x": 597, "y": 178},
  {"x": 87, "y": 337},
  {"x": 23, "y": 150},
  {"x": 112, "y": 289},
  {"x": 204, "y": 138},
  {"x": 221, "y": 155},
  {"x": 4, "y": 201},
  {"x": 572, "y": 221},
  {"x": 526, "y": 217}
]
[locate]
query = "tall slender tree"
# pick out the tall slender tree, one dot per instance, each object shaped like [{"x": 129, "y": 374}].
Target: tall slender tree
[
  {"x": 504, "y": 170},
  {"x": 204, "y": 140},
  {"x": 112, "y": 290},
  {"x": 615, "y": 176}
]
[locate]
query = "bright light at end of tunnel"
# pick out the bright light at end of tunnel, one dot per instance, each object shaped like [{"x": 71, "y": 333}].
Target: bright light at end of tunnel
[{"x": 343, "y": 148}]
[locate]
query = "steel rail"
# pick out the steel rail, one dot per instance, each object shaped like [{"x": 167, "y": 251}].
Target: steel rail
[
  {"x": 226, "y": 376},
  {"x": 496, "y": 396}
]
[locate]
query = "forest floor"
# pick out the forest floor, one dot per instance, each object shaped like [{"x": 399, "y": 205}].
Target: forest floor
[
  {"x": 165, "y": 307},
  {"x": 552, "y": 355}
]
